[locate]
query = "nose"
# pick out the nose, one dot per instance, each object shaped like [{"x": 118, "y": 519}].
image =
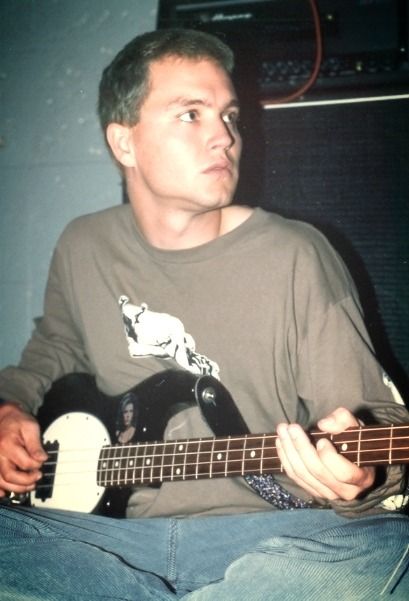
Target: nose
[{"x": 222, "y": 135}]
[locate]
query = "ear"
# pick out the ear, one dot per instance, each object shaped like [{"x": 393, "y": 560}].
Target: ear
[{"x": 119, "y": 138}]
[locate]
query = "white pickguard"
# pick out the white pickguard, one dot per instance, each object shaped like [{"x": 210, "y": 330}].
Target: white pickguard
[{"x": 81, "y": 437}]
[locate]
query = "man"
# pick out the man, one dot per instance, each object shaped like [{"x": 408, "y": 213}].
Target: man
[{"x": 181, "y": 278}]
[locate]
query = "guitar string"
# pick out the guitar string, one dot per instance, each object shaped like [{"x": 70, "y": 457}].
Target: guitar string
[
  {"x": 164, "y": 477},
  {"x": 181, "y": 460},
  {"x": 178, "y": 470},
  {"x": 122, "y": 451},
  {"x": 336, "y": 439},
  {"x": 137, "y": 478},
  {"x": 183, "y": 453},
  {"x": 200, "y": 451}
]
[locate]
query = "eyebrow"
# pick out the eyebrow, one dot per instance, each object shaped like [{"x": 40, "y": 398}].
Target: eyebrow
[{"x": 184, "y": 101}]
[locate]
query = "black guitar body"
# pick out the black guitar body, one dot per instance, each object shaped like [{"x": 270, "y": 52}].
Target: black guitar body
[
  {"x": 154, "y": 401},
  {"x": 100, "y": 446}
]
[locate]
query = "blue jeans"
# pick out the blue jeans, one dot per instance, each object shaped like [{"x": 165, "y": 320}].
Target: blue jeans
[{"x": 286, "y": 555}]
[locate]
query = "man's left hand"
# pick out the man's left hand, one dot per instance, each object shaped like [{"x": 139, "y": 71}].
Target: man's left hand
[{"x": 320, "y": 469}]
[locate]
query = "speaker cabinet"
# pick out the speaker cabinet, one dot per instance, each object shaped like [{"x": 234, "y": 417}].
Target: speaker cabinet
[{"x": 344, "y": 167}]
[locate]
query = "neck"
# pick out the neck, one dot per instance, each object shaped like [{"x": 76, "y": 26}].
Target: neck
[
  {"x": 172, "y": 229},
  {"x": 175, "y": 230}
]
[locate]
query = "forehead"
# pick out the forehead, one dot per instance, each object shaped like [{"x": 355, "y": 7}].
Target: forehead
[{"x": 173, "y": 77}]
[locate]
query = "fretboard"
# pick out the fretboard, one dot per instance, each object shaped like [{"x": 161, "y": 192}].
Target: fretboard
[{"x": 155, "y": 462}]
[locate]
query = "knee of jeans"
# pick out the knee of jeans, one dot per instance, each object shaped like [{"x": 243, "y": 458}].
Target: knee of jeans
[
  {"x": 398, "y": 581},
  {"x": 308, "y": 549},
  {"x": 16, "y": 524},
  {"x": 384, "y": 538}
]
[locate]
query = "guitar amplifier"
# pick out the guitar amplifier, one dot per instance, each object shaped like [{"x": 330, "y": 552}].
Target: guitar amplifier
[
  {"x": 343, "y": 166},
  {"x": 365, "y": 42}
]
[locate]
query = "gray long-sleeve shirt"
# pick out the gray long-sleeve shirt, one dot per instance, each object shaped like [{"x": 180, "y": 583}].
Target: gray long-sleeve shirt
[{"x": 268, "y": 308}]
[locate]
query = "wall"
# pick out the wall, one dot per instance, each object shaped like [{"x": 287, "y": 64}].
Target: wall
[{"x": 53, "y": 161}]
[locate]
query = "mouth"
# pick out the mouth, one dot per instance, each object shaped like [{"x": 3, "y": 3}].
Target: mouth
[{"x": 219, "y": 167}]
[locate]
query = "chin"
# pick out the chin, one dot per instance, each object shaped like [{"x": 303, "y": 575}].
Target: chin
[{"x": 221, "y": 200}]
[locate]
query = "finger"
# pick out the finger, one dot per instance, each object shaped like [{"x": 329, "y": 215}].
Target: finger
[
  {"x": 32, "y": 442},
  {"x": 10, "y": 487},
  {"x": 301, "y": 462},
  {"x": 14, "y": 480},
  {"x": 21, "y": 459},
  {"x": 338, "y": 421},
  {"x": 354, "y": 478},
  {"x": 23, "y": 447},
  {"x": 334, "y": 478},
  {"x": 288, "y": 469}
]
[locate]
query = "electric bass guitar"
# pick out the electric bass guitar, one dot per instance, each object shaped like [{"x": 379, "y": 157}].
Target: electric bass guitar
[{"x": 84, "y": 467}]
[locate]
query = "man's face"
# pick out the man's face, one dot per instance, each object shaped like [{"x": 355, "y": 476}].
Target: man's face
[{"x": 186, "y": 143}]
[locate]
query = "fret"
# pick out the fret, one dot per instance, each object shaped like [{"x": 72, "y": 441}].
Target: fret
[
  {"x": 169, "y": 461},
  {"x": 205, "y": 459},
  {"x": 390, "y": 443},
  {"x": 226, "y": 463},
  {"x": 243, "y": 461},
  {"x": 118, "y": 466},
  {"x": 358, "y": 459},
  {"x": 254, "y": 454},
  {"x": 211, "y": 460},
  {"x": 236, "y": 462},
  {"x": 178, "y": 466},
  {"x": 125, "y": 463},
  {"x": 147, "y": 462},
  {"x": 107, "y": 466},
  {"x": 115, "y": 467},
  {"x": 110, "y": 470},
  {"x": 271, "y": 462},
  {"x": 172, "y": 466},
  {"x": 152, "y": 466},
  {"x": 133, "y": 464},
  {"x": 162, "y": 463},
  {"x": 197, "y": 458},
  {"x": 129, "y": 464},
  {"x": 400, "y": 453},
  {"x": 142, "y": 464},
  {"x": 219, "y": 455},
  {"x": 192, "y": 459},
  {"x": 262, "y": 454},
  {"x": 186, "y": 451}
]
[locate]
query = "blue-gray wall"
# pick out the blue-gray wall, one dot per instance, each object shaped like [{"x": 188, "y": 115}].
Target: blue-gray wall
[{"x": 53, "y": 162}]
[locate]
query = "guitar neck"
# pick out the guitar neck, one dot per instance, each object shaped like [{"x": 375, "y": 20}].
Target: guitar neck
[{"x": 156, "y": 462}]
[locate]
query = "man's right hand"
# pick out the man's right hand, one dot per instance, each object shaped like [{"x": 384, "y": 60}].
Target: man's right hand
[{"x": 21, "y": 452}]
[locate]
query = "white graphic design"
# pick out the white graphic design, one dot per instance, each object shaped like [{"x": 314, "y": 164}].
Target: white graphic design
[
  {"x": 395, "y": 393},
  {"x": 162, "y": 335},
  {"x": 395, "y": 502}
]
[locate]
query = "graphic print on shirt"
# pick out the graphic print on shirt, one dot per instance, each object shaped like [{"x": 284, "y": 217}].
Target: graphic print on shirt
[{"x": 151, "y": 334}]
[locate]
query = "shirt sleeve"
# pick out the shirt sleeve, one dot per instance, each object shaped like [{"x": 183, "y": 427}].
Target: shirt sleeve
[
  {"x": 337, "y": 366},
  {"x": 55, "y": 347}
]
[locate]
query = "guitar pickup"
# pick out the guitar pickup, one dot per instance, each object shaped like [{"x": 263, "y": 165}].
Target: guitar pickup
[{"x": 44, "y": 489}]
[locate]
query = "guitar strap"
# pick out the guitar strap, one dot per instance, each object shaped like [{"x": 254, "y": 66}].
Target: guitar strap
[{"x": 270, "y": 490}]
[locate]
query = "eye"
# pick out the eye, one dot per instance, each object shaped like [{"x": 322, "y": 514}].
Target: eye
[
  {"x": 189, "y": 116},
  {"x": 231, "y": 118}
]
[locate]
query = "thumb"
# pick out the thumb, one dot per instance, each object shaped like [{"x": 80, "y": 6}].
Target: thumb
[{"x": 32, "y": 441}]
